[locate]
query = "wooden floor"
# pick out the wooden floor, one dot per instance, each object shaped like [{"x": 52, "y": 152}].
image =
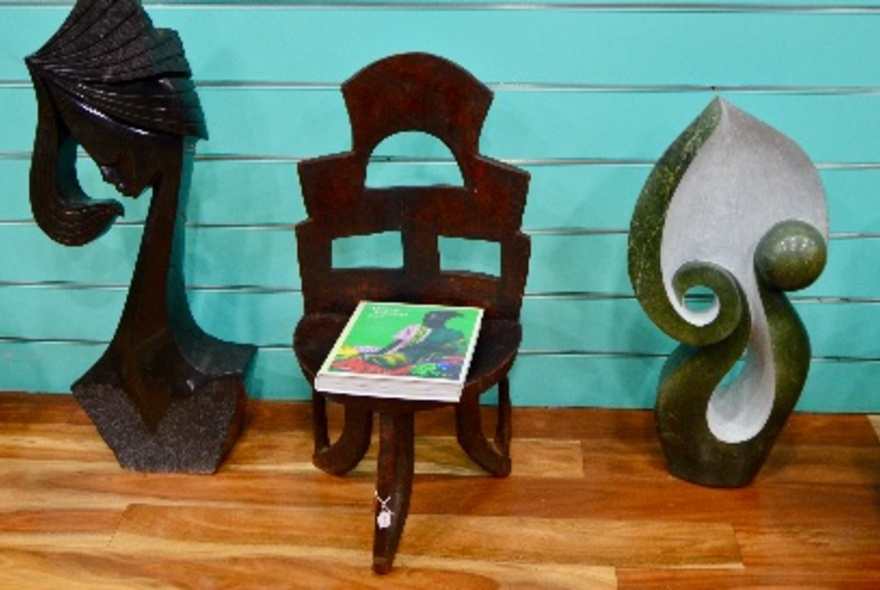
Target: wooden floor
[{"x": 589, "y": 505}]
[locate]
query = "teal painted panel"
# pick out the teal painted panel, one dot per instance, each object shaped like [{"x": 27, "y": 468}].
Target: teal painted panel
[
  {"x": 218, "y": 257},
  {"x": 574, "y": 381},
  {"x": 627, "y": 126},
  {"x": 582, "y": 381},
  {"x": 585, "y": 381},
  {"x": 841, "y": 387},
  {"x": 650, "y": 6},
  {"x": 597, "y": 263},
  {"x": 44, "y": 367},
  {"x": 56, "y": 313},
  {"x": 107, "y": 260},
  {"x": 244, "y": 192},
  {"x": 596, "y": 196},
  {"x": 547, "y": 124},
  {"x": 521, "y": 125},
  {"x": 264, "y": 319},
  {"x": 18, "y": 117},
  {"x": 534, "y": 46},
  {"x": 851, "y": 270},
  {"x": 550, "y": 324},
  {"x": 632, "y": 382},
  {"x": 14, "y": 178},
  {"x": 377, "y": 250},
  {"x": 222, "y": 192},
  {"x": 595, "y": 325},
  {"x": 277, "y": 376},
  {"x": 462, "y": 254},
  {"x": 503, "y": 45},
  {"x": 221, "y": 257},
  {"x": 842, "y": 329},
  {"x": 277, "y": 122},
  {"x": 852, "y": 200},
  {"x": 54, "y": 367},
  {"x": 213, "y": 257},
  {"x": 795, "y": 6},
  {"x": 578, "y": 263},
  {"x": 570, "y": 84},
  {"x": 620, "y": 326},
  {"x": 619, "y": 5}
]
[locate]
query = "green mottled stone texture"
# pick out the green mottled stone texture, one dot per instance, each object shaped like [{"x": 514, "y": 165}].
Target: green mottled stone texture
[
  {"x": 791, "y": 255},
  {"x": 646, "y": 232},
  {"x": 788, "y": 257},
  {"x": 692, "y": 451}
]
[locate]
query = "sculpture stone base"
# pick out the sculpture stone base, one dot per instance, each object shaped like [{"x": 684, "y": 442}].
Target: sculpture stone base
[
  {"x": 725, "y": 470},
  {"x": 194, "y": 436}
]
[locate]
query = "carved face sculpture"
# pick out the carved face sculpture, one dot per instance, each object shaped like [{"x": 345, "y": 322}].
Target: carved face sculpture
[
  {"x": 131, "y": 165},
  {"x": 123, "y": 175},
  {"x": 127, "y": 158},
  {"x": 112, "y": 83}
]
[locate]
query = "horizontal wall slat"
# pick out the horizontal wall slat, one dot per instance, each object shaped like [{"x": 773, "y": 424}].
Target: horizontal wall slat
[
  {"x": 108, "y": 260},
  {"x": 632, "y": 383},
  {"x": 597, "y": 324},
  {"x": 536, "y": 380},
  {"x": 213, "y": 257},
  {"x": 594, "y": 196},
  {"x": 741, "y": 48},
  {"x": 587, "y": 97},
  {"x": 222, "y": 257},
  {"x": 758, "y": 6},
  {"x": 44, "y": 367},
  {"x": 520, "y": 125}
]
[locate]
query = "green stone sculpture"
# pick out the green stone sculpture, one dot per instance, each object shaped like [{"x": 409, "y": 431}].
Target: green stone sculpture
[{"x": 735, "y": 208}]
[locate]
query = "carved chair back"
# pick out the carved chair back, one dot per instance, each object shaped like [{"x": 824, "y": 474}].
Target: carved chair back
[{"x": 413, "y": 92}]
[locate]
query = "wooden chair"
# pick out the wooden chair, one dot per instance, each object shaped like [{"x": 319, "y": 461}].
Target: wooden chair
[{"x": 411, "y": 92}]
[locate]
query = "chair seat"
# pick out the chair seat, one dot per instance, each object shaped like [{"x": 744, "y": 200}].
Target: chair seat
[{"x": 496, "y": 349}]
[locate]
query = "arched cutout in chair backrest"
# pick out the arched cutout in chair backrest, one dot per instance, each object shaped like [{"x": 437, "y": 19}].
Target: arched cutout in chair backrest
[
  {"x": 417, "y": 92},
  {"x": 412, "y": 158}
]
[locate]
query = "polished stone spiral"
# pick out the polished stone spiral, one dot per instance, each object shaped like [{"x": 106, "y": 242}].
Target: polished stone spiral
[{"x": 736, "y": 208}]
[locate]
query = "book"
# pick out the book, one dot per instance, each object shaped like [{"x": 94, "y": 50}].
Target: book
[{"x": 404, "y": 351}]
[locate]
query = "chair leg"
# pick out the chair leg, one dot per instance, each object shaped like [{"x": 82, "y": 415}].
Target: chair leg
[
  {"x": 504, "y": 424},
  {"x": 319, "y": 421},
  {"x": 393, "y": 486},
  {"x": 469, "y": 430},
  {"x": 351, "y": 446}
]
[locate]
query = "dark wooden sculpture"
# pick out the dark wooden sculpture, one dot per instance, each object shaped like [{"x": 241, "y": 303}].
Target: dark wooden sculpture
[
  {"x": 411, "y": 92},
  {"x": 165, "y": 395}
]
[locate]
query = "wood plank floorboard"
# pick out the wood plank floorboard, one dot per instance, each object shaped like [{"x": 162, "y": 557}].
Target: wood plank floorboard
[{"x": 589, "y": 505}]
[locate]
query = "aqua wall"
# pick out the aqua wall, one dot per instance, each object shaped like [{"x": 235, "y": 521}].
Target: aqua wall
[{"x": 587, "y": 97}]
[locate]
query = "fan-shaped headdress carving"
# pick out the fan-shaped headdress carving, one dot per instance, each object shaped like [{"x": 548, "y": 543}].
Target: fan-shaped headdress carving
[
  {"x": 108, "y": 62},
  {"x": 108, "y": 56}
]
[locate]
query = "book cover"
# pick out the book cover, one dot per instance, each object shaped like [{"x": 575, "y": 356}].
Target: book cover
[{"x": 406, "y": 351}]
